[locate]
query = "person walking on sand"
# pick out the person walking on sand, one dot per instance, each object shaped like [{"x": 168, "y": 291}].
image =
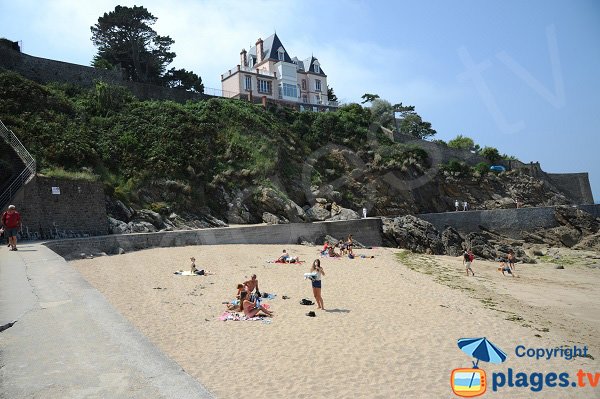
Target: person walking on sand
[
  {"x": 468, "y": 258},
  {"x": 317, "y": 271},
  {"x": 11, "y": 220}
]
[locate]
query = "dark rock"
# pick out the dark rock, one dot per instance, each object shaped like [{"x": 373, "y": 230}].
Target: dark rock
[
  {"x": 452, "y": 241},
  {"x": 560, "y": 267},
  {"x": 269, "y": 218},
  {"x": 480, "y": 246},
  {"x": 117, "y": 227},
  {"x": 591, "y": 242},
  {"x": 146, "y": 215},
  {"x": 141, "y": 227},
  {"x": 317, "y": 213},
  {"x": 272, "y": 201},
  {"x": 410, "y": 232},
  {"x": 345, "y": 214},
  {"x": 118, "y": 210}
]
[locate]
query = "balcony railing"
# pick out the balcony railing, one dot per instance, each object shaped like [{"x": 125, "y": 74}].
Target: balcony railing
[{"x": 239, "y": 68}]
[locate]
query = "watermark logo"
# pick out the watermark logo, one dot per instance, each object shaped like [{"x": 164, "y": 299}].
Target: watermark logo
[{"x": 471, "y": 382}]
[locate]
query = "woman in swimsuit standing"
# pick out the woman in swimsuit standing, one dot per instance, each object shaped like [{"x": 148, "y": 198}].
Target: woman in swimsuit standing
[{"x": 316, "y": 282}]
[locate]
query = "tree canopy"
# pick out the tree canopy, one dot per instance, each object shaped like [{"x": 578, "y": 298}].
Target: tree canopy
[
  {"x": 125, "y": 37},
  {"x": 182, "y": 79},
  {"x": 331, "y": 95},
  {"x": 465, "y": 143},
  {"x": 369, "y": 98}
]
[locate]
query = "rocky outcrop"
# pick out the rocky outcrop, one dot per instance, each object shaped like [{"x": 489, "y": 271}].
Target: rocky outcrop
[
  {"x": 575, "y": 226},
  {"x": 269, "y": 218},
  {"x": 452, "y": 242},
  {"x": 344, "y": 214},
  {"x": 317, "y": 213},
  {"x": 410, "y": 232}
]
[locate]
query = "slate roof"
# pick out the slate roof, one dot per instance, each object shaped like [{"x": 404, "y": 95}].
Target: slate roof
[{"x": 270, "y": 46}]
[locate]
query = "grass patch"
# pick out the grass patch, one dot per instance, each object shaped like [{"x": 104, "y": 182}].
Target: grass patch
[{"x": 60, "y": 173}]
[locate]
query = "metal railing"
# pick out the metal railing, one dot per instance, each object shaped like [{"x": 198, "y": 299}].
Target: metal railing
[{"x": 29, "y": 162}]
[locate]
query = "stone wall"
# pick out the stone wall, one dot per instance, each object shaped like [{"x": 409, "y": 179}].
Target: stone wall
[
  {"x": 509, "y": 222},
  {"x": 576, "y": 185},
  {"x": 78, "y": 210},
  {"x": 440, "y": 153},
  {"x": 44, "y": 71},
  {"x": 365, "y": 231}
]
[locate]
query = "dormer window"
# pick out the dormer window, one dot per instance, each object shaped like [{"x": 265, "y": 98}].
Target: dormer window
[
  {"x": 280, "y": 54},
  {"x": 317, "y": 69}
]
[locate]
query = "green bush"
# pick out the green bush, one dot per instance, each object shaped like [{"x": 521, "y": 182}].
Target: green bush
[
  {"x": 456, "y": 168},
  {"x": 482, "y": 168}
]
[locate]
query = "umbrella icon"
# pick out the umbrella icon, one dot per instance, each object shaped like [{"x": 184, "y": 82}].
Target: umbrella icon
[{"x": 481, "y": 349}]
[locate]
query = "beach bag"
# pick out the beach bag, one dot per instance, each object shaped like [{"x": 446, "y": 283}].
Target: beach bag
[{"x": 306, "y": 302}]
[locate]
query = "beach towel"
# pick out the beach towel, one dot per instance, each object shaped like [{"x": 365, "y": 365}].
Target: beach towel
[
  {"x": 186, "y": 273},
  {"x": 234, "y": 316},
  {"x": 285, "y": 263}
]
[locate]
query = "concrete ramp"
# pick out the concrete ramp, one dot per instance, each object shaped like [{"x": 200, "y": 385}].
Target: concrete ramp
[{"x": 67, "y": 341}]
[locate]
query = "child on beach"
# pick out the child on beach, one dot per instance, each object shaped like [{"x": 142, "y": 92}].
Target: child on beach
[{"x": 468, "y": 258}]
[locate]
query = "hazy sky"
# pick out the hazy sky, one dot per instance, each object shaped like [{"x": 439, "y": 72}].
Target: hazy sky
[{"x": 522, "y": 76}]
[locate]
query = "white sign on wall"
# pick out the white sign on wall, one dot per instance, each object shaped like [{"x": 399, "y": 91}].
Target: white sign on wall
[{"x": 56, "y": 190}]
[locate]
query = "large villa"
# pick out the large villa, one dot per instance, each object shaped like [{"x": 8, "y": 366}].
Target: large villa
[{"x": 268, "y": 73}]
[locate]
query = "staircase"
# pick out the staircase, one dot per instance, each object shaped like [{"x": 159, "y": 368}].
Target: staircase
[{"x": 19, "y": 154}]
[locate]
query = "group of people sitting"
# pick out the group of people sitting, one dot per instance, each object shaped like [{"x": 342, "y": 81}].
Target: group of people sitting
[
  {"x": 248, "y": 300},
  {"x": 343, "y": 246}
]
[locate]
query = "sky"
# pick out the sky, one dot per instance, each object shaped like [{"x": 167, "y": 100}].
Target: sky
[{"x": 521, "y": 76}]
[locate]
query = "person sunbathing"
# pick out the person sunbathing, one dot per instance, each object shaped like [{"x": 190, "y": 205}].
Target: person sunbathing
[
  {"x": 195, "y": 270},
  {"x": 251, "y": 308},
  {"x": 287, "y": 258}
]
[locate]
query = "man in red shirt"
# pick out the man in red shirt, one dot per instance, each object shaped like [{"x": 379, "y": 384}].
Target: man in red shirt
[{"x": 11, "y": 220}]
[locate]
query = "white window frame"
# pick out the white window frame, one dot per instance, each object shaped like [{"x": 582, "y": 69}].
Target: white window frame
[
  {"x": 281, "y": 55},
  {"x": 289, "y": 90},
  {"x": 247, "y": 82},
  {"x": 264, "y": 86},
  {"x": 317, "y": 68},
  {"x": 318, "y": 85}
]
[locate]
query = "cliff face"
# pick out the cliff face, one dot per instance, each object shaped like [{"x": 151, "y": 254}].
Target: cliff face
[{"x": 194, "y": 163}]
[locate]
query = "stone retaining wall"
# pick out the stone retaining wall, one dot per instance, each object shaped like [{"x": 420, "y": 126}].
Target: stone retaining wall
[
  {"x": 366, "y": 231},
  {"x": 79, "y": 208},
  {"x": 509, "y": 222}
]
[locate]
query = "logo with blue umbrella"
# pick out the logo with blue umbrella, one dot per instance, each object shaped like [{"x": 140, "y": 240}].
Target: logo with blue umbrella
[{"x": 470, "y": 382}]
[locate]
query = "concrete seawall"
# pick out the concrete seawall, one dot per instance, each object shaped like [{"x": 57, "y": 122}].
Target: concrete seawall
[
  {"x": 365, "y": 231},
  {"x": 510, "y": 222}
]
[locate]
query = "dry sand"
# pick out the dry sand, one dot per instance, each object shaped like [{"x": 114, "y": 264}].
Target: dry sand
[{"x": 390, "y": 328}]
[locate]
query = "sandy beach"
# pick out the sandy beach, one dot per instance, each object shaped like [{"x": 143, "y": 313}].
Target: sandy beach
[{"x": 390, "y": 329}]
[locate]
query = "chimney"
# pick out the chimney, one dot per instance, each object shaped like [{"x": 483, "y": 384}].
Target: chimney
[
  {"x": 259, "y": 51},
  {"x": 243, "y": 58}
]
